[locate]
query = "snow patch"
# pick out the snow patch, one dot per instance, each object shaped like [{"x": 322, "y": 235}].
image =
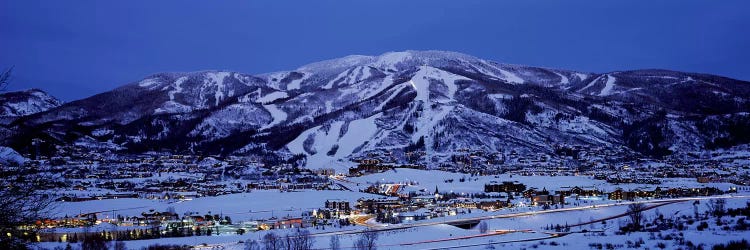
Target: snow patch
[
  {"x": 395, "y": 92},
  {"x": 324, "y": 139},
  {"x": 344, "y": 62},
  {"x": 177, "y": 87},
  {"x": 272, "y": 97},
  {"x": 329, "y": 106},
  {"x": 591, "y": 84},
  {"x": 171, "y": 107},
  {"x": 421, "y": 81},
  {"x": 278, "y": 115},
  {"x": 563, "y": 79},
  {"x": 501, "y": 96},
  {"x": 390, "y": 59},
  {"x": 218, "y": 79},
  {"x": 359, "y": 131},
  {"x": 150, "y": 82},
  {"x": 506, "y": 75},
  {"x": 608, "y": 86},
  {"x": 295, "y": 84}
]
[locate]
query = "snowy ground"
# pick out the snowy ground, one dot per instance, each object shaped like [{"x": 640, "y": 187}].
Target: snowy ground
[
  {"x": 527, "y": 230},
  {"x": 530, "y": 233}
]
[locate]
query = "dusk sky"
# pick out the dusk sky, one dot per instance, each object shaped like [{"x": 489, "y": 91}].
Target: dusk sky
[{"x": 74, "y": 49}]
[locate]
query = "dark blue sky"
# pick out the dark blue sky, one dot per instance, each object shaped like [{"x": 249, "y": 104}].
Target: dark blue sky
[{"x": 75, "y": 49}]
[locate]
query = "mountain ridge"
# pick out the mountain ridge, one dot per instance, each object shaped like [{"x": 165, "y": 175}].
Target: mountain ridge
[{"x": 340, "y": 109}]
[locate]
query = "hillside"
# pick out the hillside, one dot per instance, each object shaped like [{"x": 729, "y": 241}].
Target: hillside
[{"x": 432, "y": 102}]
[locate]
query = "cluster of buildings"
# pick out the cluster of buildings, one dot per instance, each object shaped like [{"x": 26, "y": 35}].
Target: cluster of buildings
[
  {"x": 616, "y": 165},
  {"x": 185, "y": 177},
  {"x": 174, "y": 177}
]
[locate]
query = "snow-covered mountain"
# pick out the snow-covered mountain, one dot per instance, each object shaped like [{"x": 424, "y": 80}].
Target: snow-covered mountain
[
  {"x": 429, "y": 101},
  {"x": 22, "y": 103}
]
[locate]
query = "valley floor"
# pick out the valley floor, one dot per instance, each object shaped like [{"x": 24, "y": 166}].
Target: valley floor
[
  {"x": 590, "y": 227},
  {"x": 583, "y": 224}
]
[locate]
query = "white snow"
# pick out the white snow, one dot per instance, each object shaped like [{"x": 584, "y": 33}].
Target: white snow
[
  {"x": 349, "y": 77},
  {"x": 510, "y": 77},
  {"x": 563, "y": 79},
  {"x": 42, "y": 95},
  {"x": 295, "y": 84},
  {"x": 434, "y": 234},
  {"x": 390, "y": 59},
  {"x": 323, "y": 141},
  {"x": 344, "y": 62},
  {"x": 421, "y": 81},
  {"x": 364, "y": 73},
  {"x": 329, "y": 106},
  {"x": 36, "y": 102},
  {"x": 358, "y": 131},
  {"x": 177, "y": 87},
  {"x": 277, "y": 114},
  {"x": 420, "y": 90},
  {"x": 501, "y": 96},
  {"x": 171, "y": 107},
  {"x": 150, "y": 82},
  {"x": 249, "y": 96},
  {"x": 366, "y": 91},
  {"x": 591, "y": 84},
  {"x": 296, "y": 145},
  {"x": 427, "y": 124},
  {"x": 235, "y": 117},
  {"x": 217, "y": 78},
  {"x": 272, "y": 97},
  {"x": 273, "y": 79},
  {"x": 394, "y": 92},
  {"x": 507, "y": 75},
  {"x": 341, "y": 75},
  {"x": 431, "y": 116},
  {"x": 18, "y": 108},
  {"x": 302, "y": 118},
  {"x": 608, "y": 86}
]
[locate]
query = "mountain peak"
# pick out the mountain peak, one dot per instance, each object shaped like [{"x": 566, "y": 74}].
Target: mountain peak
[
  {"x": 387, "y": 60},
  {"x": 338, "y": 63},
  {"x": 26, "y": 102}
]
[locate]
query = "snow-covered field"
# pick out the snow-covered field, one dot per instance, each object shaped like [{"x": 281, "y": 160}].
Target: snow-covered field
[
  {"x": 521, "y": 232},
  {"x": 519, "y": 227}
]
